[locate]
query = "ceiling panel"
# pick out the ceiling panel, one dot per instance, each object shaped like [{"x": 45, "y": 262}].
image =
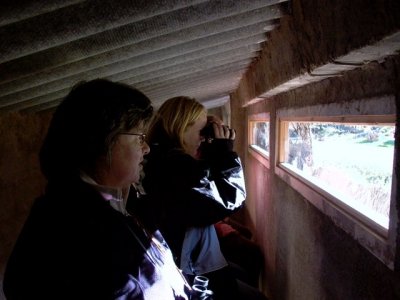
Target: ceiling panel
[{"x": 165, "y": 48}]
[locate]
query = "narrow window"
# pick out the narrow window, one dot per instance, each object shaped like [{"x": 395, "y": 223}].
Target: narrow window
[{"x": 258, "y": 137}]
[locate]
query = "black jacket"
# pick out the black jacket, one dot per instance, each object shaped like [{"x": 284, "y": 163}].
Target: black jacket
[
  {"x": 187, "y": 192},
  {"x": 74, "y": 245}
]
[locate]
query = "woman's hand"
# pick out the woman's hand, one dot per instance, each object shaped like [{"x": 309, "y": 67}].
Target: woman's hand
[{"x": 223, "y": 132}]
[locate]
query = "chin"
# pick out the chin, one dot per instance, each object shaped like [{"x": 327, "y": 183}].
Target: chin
[
  {"x": 136, "y": 180},
  {"x": 197, "y": 155}
]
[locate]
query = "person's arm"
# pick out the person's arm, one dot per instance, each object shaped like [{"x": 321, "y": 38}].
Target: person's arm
[{"x": 205, "y": 194}]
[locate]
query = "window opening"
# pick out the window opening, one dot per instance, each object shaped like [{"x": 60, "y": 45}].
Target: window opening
[
  {"x": 259, "y": 136},
  {"x": 353, "y": 162}
]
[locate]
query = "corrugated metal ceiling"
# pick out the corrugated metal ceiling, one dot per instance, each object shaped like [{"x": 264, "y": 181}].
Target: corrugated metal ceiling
[{"x": 164, "y": 48}]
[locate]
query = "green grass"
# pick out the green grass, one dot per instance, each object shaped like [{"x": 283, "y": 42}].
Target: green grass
[{"x": 388, "y": 143}]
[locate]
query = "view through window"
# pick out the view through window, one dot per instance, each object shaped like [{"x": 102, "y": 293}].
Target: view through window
[
  {"x": 352, "y": 162},
  {"x": 259, "y": 139}
]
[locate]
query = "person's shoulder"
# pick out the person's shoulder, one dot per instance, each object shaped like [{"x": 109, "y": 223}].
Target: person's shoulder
[
  {"x": 41, "y": 204},
  {"x": 179, "y": 154},
  {"x": 171, "y": 155}
]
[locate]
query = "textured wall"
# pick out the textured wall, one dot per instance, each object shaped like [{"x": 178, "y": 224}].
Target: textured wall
[
  {"x": 306, "y": 255},
  {"x": 315, "y": 33},
  {"x": 20, "y": 181}
]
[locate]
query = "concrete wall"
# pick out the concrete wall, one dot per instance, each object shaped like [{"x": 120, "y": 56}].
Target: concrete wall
[
  {"x": 306, "y": 255},
  {"x": 21, "y": 182}
]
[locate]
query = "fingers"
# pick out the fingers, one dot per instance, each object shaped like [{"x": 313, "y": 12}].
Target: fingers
[
  {"x": 233, "y": 134},
  {"x": 223, "y": 132}
]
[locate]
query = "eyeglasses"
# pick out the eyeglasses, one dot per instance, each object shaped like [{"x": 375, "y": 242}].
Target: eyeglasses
[{"x": 142, "y": 136}]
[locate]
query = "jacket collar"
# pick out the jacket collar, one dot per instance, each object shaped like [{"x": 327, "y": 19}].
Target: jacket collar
[{"x": 117, "y": 197}]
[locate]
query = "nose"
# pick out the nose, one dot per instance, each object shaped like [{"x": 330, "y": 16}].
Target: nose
[{"x": 146, "y": 148}]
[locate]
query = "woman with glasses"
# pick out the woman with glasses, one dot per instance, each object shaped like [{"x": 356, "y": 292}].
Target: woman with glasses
[{"x": 79, "y": 241}]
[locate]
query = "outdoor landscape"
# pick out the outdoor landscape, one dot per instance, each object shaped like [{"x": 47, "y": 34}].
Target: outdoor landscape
[{"x": 353, "y": 162}]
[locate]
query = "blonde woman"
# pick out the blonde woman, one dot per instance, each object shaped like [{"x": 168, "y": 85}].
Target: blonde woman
[{"x": 193, "y": 181}]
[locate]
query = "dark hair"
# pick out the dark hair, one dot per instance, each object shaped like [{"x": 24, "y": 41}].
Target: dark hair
[{"x": 86, "y": 123}]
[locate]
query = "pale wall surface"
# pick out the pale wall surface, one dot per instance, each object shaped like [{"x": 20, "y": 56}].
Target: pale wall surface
[{"x": 306, "y": 255}]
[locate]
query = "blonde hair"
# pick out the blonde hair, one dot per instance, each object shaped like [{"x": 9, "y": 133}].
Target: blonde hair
[{"x": 172, "y": 120}]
